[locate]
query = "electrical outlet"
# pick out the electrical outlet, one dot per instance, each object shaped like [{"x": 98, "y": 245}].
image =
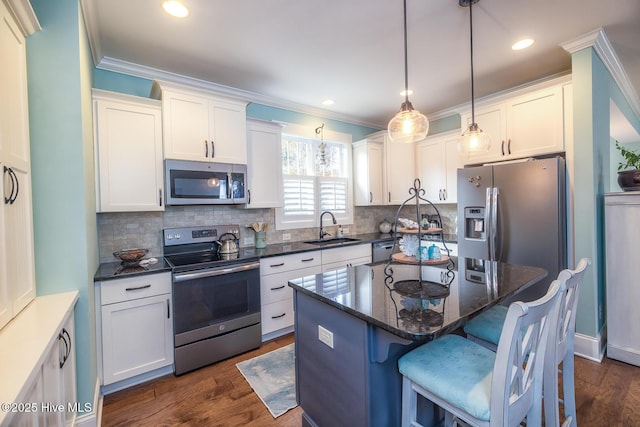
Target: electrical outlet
[
  {"x": 326, "y": 336},
  {"x": 345, "y": 230},
  {"x": 286, "y": 236}
]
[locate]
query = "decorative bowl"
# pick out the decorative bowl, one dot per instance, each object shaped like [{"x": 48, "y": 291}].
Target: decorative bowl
[{"x": 130, "y": 256}]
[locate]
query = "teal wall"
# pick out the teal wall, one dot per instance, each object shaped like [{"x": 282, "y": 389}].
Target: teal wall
[
  {"x": 445, "y": 124},
  {"x": 65, "y": 231},
  {"x": 593, "y": 88}
]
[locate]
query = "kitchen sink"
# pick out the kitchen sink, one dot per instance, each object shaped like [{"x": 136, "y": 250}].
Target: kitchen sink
[{"x": 333, "y": 241}]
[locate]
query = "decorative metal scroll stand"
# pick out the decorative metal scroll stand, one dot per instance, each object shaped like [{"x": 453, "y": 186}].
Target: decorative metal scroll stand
[{"x": 423, "y": 293}]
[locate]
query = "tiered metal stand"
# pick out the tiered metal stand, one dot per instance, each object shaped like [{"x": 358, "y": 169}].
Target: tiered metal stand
[{"x": 418, "y": 302}]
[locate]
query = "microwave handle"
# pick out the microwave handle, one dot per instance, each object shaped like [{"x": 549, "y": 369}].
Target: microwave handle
[{"x": 229, "y": 186}]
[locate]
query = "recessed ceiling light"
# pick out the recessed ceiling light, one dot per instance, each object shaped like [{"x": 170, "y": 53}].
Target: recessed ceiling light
[
  {"x": 175, "y": 8},
  {"x": 522, "y": 44},
  {"x": 328, "y": 102},
  {"x": 410, "y": 92}
]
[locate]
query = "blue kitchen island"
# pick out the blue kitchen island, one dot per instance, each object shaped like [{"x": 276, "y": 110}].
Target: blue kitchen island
[{"x": 353, "y": 324}]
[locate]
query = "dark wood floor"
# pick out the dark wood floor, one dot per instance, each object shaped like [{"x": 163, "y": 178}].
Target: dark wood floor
[{"x": 607, "y": 394}]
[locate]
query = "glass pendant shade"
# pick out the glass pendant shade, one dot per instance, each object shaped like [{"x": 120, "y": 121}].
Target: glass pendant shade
[
  {"x": 474, "y": 140},
  {"x": 408, "y": 125}
]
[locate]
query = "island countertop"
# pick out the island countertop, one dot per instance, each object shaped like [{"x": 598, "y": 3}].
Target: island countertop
[
  {"x": 353, "y": 324},
  {"x": 395, "y": 304}
]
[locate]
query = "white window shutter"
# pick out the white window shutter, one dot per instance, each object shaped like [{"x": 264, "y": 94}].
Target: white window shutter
[
  {"x": 299, "y": 196},
  {"x": 333, "y": 194}
]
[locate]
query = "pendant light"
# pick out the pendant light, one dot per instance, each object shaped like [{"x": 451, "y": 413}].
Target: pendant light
[
  {"x": 473, "y": 140},
  {"x": 408, "y": 125}
]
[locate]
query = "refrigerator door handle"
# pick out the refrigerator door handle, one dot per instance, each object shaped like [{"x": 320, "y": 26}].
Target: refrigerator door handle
[
  {"x": 487, "y": 221},
  {"x": 494, "y": 223}
]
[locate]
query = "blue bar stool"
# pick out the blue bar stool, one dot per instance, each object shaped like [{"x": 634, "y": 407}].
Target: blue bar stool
[
  {"x": 485, "y": 330},
  {"x": 480, "y": 387}
]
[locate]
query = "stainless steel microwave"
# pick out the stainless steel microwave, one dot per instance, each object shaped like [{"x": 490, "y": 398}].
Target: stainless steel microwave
[{"x": 204, "y": 183}]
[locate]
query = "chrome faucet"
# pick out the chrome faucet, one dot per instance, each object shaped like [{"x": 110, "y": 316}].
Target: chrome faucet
[{"x": 322, "y": 232}]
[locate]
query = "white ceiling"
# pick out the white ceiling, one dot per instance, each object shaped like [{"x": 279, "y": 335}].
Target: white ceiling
[{"x": 300, "y": 52}]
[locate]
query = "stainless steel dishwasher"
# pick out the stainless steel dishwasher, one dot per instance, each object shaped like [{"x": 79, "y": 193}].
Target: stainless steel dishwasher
[{"x": 381, "y": 251}]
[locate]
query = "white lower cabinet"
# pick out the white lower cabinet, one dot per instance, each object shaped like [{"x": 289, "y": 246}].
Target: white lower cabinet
[
  {"x": 275, "y": 273},
  {"x": 136, "y": 326},
  {"x": 275, "y": 294},
  {"x": 349, "y": 256},
  {"x": 39, "y": 372}
]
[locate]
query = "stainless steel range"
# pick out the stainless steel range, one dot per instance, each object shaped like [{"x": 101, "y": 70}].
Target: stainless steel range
[{"x": 216, "y": 295}]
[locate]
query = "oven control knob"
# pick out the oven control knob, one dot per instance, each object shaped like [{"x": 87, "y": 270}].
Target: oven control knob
[
  {"x": 222, "y": 327},
  {"x": 169, "y": 236},
  {"x": 177, "y": 235}
]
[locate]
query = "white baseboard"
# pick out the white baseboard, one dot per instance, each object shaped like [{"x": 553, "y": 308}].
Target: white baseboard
[
  {"x": 591, "y": 348},
  {"x": 94, "y": 418}
]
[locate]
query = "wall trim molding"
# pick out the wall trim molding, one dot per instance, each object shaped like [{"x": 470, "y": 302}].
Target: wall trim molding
[
  {"x": 94, "y": 418},
  {"x": 588, "y": 347},
  {"x": 24, "y": 16},
  {"x": 597, "y": 39}
]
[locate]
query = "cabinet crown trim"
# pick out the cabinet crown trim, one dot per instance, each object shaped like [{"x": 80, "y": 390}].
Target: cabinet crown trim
[{"x": 160, "y": 85}]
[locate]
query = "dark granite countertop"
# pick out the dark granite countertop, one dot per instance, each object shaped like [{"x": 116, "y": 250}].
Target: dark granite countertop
[
  {"x": 113, "y": 270},
  {"x": 361, "y": 291}
]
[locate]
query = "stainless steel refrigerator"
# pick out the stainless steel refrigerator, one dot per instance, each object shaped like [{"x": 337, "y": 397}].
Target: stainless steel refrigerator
[{"x": 515, "y": 213}]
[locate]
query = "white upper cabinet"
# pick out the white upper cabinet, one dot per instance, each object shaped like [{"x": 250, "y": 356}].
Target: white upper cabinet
[
  {"x": 128, "y": 148},
  {"x": 383, "y": 170},
  {"x": 526, "y": 125},
  {"x": 264, "y": 174},
  {"x": 437, "y": 163},
  {"x": 492, "y": 121},
  {"x": 400, "y": 170},
  {"x": 368, "y": 161},
  {"x": 202, "y": 126}
]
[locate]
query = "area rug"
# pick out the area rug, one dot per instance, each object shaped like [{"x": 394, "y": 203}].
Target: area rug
[{"x": 272, "y": 377}]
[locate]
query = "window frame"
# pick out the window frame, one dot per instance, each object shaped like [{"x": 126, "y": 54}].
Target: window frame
[{"x": 311, "y": 221}]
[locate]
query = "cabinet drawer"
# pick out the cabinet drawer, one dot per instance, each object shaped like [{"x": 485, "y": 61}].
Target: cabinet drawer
[
  {"x": 275, "y": 287},
  {"x": 346, "y": 253},
  {"x": 277, "y": 315},
  {"x": 133, "y": 288},
  {"x": 345, "y": 263},
  {"x": 277, "y": 264}
]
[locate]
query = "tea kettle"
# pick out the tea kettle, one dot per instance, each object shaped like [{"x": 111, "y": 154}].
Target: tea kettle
[{"x": 227, "y": 246}]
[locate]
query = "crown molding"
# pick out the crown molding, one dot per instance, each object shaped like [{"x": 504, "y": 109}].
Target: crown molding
[
  {"x": 597, "y": 39},
  {"x": 90, "y": 16},
  {"x": 142, "y": 71},
  {"x": 24, "y": 16}
]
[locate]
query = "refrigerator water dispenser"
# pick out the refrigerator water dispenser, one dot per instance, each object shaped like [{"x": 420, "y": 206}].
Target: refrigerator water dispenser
[{"x": 474, "y": 223}]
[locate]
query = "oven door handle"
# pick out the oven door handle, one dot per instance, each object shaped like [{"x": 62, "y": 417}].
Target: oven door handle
[{"x": 181, "y": 277}]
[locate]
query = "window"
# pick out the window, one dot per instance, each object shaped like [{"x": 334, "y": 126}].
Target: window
[{"x": 315, "y": 177}]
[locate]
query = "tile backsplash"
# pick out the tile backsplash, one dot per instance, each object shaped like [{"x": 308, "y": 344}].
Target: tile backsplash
[{"x": 121, "y": 230}]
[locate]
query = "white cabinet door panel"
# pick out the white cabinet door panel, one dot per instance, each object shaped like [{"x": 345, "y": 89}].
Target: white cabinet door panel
[{"x": 137, "y": 337}]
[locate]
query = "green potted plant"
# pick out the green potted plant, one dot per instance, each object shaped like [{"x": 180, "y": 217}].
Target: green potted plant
[{"x": 629, "y": 170}]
